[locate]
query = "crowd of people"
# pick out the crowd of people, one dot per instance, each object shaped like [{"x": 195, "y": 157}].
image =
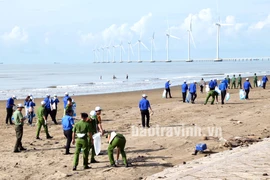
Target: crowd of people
[{"x": 79, "y": 133}]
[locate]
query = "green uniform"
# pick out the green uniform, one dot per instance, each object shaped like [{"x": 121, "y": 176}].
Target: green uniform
[
  {"x": 81, "y": 127},
  {"x": 212, "y": 93},
  {"x": 239, "y": 79},
  {"x": 120, "y": 142},
  {"x": 17, "y": 115},
  {"x": 233, "y": 82},
  {"x": 229, "y": 82},
  {"x": 93, "y": 128},
  {"x": 255, "y": 81},
  {"x": 41, "y": 122}
]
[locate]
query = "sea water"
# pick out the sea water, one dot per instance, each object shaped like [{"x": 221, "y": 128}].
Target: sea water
[{"x": 82, "y": 79}]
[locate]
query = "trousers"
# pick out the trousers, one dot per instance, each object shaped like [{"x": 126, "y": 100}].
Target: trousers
[
  {"x": 19, "y": 135},
  {"x": 120, "y": 142},
  {"x": 81, "y": 144},
  {"x": 145, "y": 113},
  {"x": 68, "y": 135},
  {"x": 40, "y": 124},
  {"x": 9, "y": 115}
]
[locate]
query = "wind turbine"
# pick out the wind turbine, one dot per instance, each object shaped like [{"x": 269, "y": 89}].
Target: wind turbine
[
  {"x": 130, "y": 49},
  {"x": 108, "y": 51},
  {"x": 152, "y": 46},
  {"x": 94, "y": 54},
  {"x": 102, "y": 48},
  {"x": 218, "y": 24},
  {"x": 98, "y": 55},
  {"x": 190, "y": 35},
  {"x": 139, "y": 42},
  {"x": 121, "y": 48},
  {"x": 114, "y": 46},
  {"x": 168, "y": 40}
]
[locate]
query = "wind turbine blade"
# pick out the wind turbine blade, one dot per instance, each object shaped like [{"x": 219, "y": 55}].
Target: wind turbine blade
[
  {"x": 123, "y": 48},
  {"x": 226, "y": 24},
  {"x": 175, "y": 37},
  {"x": 144, "y": 46},
  {"x": 141, "y": 35},
  {"x": 153, "y": 35},
  {"x": 192, "y": 39},
  {"x": 131, "y": 49},
  {"x": 136, "y": 43}
]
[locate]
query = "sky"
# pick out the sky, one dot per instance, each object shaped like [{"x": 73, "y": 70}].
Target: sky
[{"x": 67, "y": 31}]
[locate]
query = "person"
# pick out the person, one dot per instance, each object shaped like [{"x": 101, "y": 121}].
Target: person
[
  {"x": 255, "y": 80},
  {"x": 19, "y": 121},
  {"x": 264, "y": 81},
  {"x": 54, "y": 103},
  {"x": 222, "y": 87},
  {"x": 247, "y": 87},
  {"x": 31, "y": 106},
  {"x": 9, "y": 107},
  {"x": 94, "y": 127},
  {"x": 127, "y": 77},
  {"x": 202, "y": 84},
  {"x": 26, "y": 105},
  {"x": 184, "y": 91},
  {"x": 42, "y": 121},
  {"x": 211, "y": 85},
  {"x": 228, "y": 81},
  {"x": 192, "y": 90},
  {"x": 144, "y": 106},
  {"x": 119, "y": 141},
  {"x": 67, "y": 124},
  {"x": 215, "y": 83},
  {"x": 69, "y": 105},
  {"x": 114, "y": 77},
  {"x": 213, "y": 94},
  {"x": 239, "y": 81},
  {"x": 65, "y": 100},
  {"x": 98, "y": 113},
  {"x": 233, "y": 82},
  {"x": 48, "y": 110},
  {"x": 82, "y": 130},
  {"x": 167, "y": 88}
]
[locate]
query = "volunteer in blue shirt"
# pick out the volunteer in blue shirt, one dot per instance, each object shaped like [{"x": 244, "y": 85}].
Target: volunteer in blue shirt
[
  {"x": 47, "y": 106},
  {"x": 192, "y": 90},
  {"x": 30, "y": 115},
  {"x": 226, "y": 82},
  {"x": 211, "y": 85},
  {"x": 54, "y": 102},
  {"x": 247, "y": 87},
  {"x": 67, "y": 124},
  {"x": 9, "y": 108},
  {"x": 167, "y": 88},
  {"x": 144, "y": 106},
  {"x": 264, "y": 80},
  {"x": 222, "y": 87},
  {"x": 184, "y": 91},
  {"x": 215, "y": 83}
]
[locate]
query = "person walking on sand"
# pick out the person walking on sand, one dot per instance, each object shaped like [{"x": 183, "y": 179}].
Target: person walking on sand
[
  {"x": 222, "y": 87},
  {"x": 264, "y": 81},
  {"x": 26, "y": 105},
  {"x": 19, "y": 121},
  {"x": 228, "y": 81},
  {"x": 65, "y": 101},
  {"x": 69, "y": 105},
  {"x": 213, "y": 94},
  {"x": 48, "y": 110},
  {"x": 184, "y": 91},
  {"x": 192, "y": 90},
  {"x": 167, "y": 88},
  {"x": 31, "y": 106},
  {"x": 9, "y": 107},
  {"x": 67, "y": 124},
  {"x": 247, "y": 87},
  {"x": 233, "y": 82},
  {"x": 211, "y": 85},
  {"x": 144, "y": 106},
  {"x": 119, "y": 141},
  {"x": 239, "y": 81},
  {"x": 202, "y": 84},
  {"x": 42, "y": 121},
  {"x": 82, "y": 131},
  {"x": 255, "y": 80},
  {"x": 54, "y": 104}
]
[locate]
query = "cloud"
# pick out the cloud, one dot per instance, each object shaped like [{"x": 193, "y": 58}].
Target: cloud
[
  {"x": 116, "y": 33},
  {"x": 261, "y": 24},
  {"x": 17, "y": 34}
]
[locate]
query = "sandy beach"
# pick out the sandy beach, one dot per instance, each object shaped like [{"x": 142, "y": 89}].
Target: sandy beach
[{"x": 44, "y": 158}]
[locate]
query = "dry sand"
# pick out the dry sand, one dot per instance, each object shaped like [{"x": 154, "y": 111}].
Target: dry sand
[{"x": 44, "y": 158}]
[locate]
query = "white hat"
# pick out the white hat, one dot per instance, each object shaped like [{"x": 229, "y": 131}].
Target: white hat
[
  {"x": 247, "y": 79},
  {"x": 31, "y": 97},
  {"x": 54, "y": 95},
  {"x": 14, "y": 97},
  {"x": 113, "y": 134},
  {"x": 93, "y": 113},
  {"x": 194, "y": 81},
  {"x": 20, "y": 106},
  {"x": 29, "y": 94},
  {"x": 185, "y": 81},
  {"x": 144, "y": 95},
  {"x": 98, "y": 108},
  {"x": 66, "y": 93},
  {"x": 47, "y": 95},
  {"x": 168, "y": 80},
  {"x": 43, "y": 102}
]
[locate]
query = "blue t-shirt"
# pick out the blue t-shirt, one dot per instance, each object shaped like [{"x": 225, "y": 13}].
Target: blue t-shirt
[
  {"x": 10, "y": 103},
  {"x": 65, "y": 100},
  {"x": 211, "y": 84},
  {"x": 167, "y": 85},
  {"x": 264, "y": 79},
  {"x": 56, "y": 101},
  {"x": 222, "y": 86},
  {"x": 247, "y": 85},
  {"x": 47, "y": 103},
  {"x": 184, "y": 87},
  {"x": 192, "y": 88},
  {"x": 144, "y": 104},
  {"x": 67, "y": 122},
  {"x": 32, "y": 104}
]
